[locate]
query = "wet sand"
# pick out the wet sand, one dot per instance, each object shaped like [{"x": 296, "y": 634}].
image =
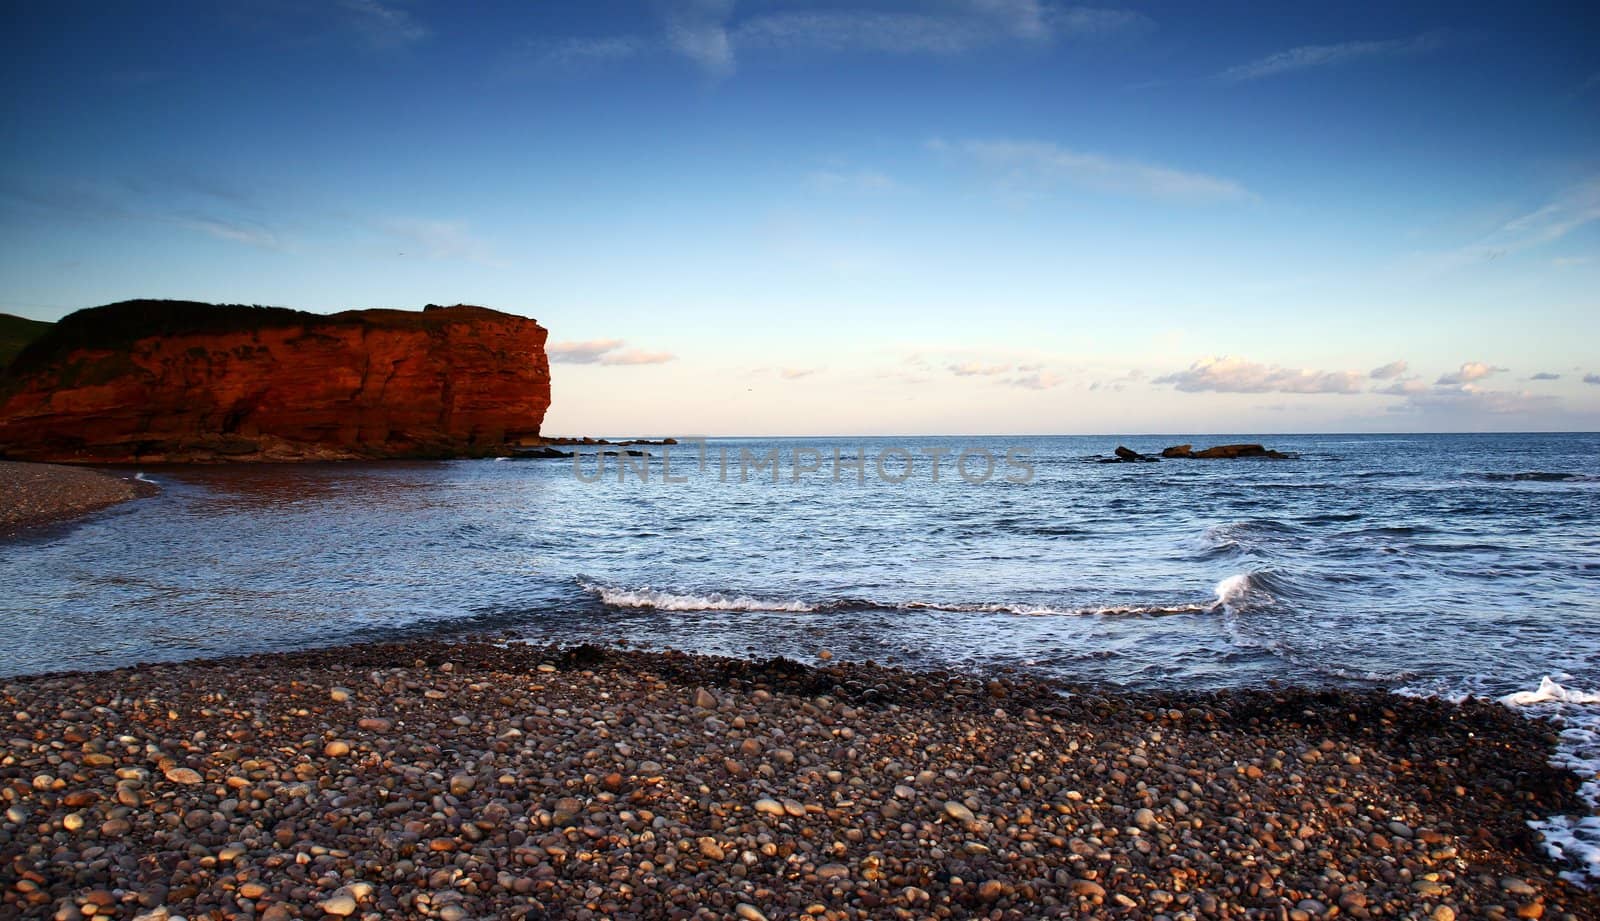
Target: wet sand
[
  {"x": 32, "y": 495},
  {"x": 474, "y": 780}
]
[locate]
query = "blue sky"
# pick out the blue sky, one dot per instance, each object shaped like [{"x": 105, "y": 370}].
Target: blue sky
[{"x": 769, "y": 217}]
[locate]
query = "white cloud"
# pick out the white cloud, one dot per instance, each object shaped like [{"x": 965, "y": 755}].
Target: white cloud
[
  {"x": 1225, "y": 374},
  {"x": 1043, "y": 163},
  {"x": 1307, "y": 57},
  {"x": 603, "y": 352},
  {"x": 383, "y": 26},
  {"x": 1469, "y": 372},
  {"x": 580, "y": 353},
  {"x": 1388, "y": 372}
]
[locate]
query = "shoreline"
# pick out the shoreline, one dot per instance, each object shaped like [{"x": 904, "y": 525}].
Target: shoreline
[
  {"x": 472, "y": 779},
  {"x": 47, "y": 494}
]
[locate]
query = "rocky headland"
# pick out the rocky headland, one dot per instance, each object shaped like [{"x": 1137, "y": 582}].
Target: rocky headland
[
  {"x": 482, "y": 780},
  {"x": 179, "y": 381}
]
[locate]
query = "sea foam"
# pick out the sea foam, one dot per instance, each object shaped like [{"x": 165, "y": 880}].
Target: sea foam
[{"x": 1571, "y": 840}]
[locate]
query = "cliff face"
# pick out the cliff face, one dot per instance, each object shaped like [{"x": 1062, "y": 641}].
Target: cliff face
[{"x": 155, "y": 381}]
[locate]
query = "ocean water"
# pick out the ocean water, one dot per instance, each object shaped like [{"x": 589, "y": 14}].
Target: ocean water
[{"x": 1438, "y": 564}]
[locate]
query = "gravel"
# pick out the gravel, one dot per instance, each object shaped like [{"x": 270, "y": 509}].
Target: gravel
[
  {"x": 480, "y": 780},
  {"x": 38, "y": 494}
]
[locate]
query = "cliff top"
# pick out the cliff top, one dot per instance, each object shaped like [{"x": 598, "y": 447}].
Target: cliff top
[
  {"x": 15, "y": 334},
  {"x": 116, "y": 326}
]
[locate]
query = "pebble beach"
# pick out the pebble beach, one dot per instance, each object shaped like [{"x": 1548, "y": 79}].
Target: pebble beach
[
  {"x": 42, "y": 494},
  {"x": 484, "y": 780}
]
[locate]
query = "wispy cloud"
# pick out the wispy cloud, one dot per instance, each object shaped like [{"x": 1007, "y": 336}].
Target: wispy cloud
[
  {"x": 1225, "y": 374},
  {"x": 1575, "y": 207},
  {"x": 697, "y": 30},
  {"x": 436, "y": 239},
  {"x": 1545, "y": 376},
  {"x": 1042, "y": 163},
  {"x": 574, "y": 54},
  {"x": 710, "y": 35},
  {"x": 383, "y": 25},
  {"x": 251, "y": 235},
  {"x": 978, "y": 369},
  {"x": 1037, "y": 380},
  {"x": 603, "y": 352},
  {"x": 1469, "y": 372},
  {"x": 862, "y": 181},
  {"x": 794, "y": 374},
  {"x": 1388, "y": 372},
  {"x": 1465, "y": 400},
  {"x": 636, "y": 357},
  {"x": 195, "y": 202},
  {"x": 1309, "y": 57}
]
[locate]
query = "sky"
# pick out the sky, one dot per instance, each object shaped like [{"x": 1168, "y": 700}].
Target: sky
[{"x": 788, "y": 218}]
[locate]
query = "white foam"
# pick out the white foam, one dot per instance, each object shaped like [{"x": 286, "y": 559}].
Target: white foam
[
  {"x": 1571, "y": 840},
  {"x": 1231, "y": 591},
  {"x": 657, "y": 599},
  {"x": 647, "y": 597},
  {"x": 144, "y": 479}
]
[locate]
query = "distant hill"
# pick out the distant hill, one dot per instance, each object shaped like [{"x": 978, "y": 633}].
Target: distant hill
[{"x": 17, "y": 332}]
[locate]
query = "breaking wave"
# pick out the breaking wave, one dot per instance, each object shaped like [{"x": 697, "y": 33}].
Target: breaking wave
[{"x": 646, "y": 597}]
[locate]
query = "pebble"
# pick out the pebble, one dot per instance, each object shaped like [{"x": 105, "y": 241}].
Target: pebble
[
  {"x": 959, "y": 812},
  {"x": 183, "y": 775},
  {"x": 341, "y": 904}
]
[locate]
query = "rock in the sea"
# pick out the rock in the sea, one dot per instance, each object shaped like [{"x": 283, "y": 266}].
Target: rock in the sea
[
  {"x": 1126, "y": 455},
  {"x": 152, "y": 381},
  {"x": 1230, "y": 452},
  {"x": 1178, "y": 451}
]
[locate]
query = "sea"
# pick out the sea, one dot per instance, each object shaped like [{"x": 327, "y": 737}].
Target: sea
[{"x": 1447, "y": 565}]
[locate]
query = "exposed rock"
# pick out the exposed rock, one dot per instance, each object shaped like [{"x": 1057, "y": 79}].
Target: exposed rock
[
  {"x": 1125, "y": 455},
  {"x": 153, "y": 381},
  {"x": 1223, "y": 452}
]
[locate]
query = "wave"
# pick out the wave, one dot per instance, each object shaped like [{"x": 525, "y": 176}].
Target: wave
[
  {"x": 648, "y": 598},
  {"x": 1571, "y": 840}
]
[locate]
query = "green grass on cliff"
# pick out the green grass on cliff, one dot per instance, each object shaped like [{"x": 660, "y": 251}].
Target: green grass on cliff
[{"x": 16, "y": 333}]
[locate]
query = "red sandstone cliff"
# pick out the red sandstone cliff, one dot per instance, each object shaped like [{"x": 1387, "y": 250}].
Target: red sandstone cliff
[{"x": 155, "y": 381}]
